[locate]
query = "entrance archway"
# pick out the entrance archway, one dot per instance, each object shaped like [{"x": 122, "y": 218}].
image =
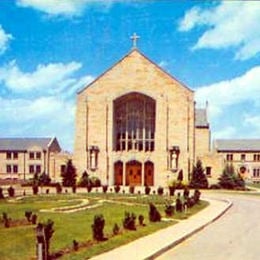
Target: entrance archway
[
  {"x": 118, "y": 173},
  {"x": 148, "y": 174},
  {"x": 133, "y": 173}
]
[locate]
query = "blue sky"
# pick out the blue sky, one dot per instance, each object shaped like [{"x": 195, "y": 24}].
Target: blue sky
[{"x": 51, "y": 49}]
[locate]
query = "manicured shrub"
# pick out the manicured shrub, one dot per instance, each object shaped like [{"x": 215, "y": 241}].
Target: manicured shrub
[
  {"x": 47, "y": 191},
  {"x": 196, "y": 195},
  {"x": 171, "y": 190},
  {"x": 169, "y": 209},
  {"x": 129, "y": 221},
  {"x": 117, "y": 188},
  {"x": 11, "y": 191},
  {"x": 116, "y": 229},
  {"x": 35, "y": 189},
  {"x": 141, "y": 220},
  {"x": 6, "y": 220},
  {"x": 34, "y": 219},
  {"x": 154, "y": 214},
  {"x": 160, "y": 190},
  {"x": 179, "y": 205},
  {"x": 1, "y": 194},
  {"x": 58, "y": 188},
  {"x": 147, "y": 190},
  {"x": 104, "y": 188},
  {"x": 186, "y": 192},
  {"x": 98, "y": 227},
  {"x": 132, "y": 189},
  {"x": 198, "y": 176},
  {"x": 28, "y": 215},
  {"x": 75, "y": 245},
  {"x": 89, "y": 188}
]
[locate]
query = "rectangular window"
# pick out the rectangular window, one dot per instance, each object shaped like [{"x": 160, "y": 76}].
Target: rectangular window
[
  {"x": 256, "y": 157},
  {"x": 229, "y": 157},
  {"x": 38, "y": 155},
  {"x": 8, "y": 168},
  {"x": 31, "y": 155},
  {"x": 8, "y": 155},
  {"x": 243, "y": 157},
  {"x": 15, "y": 155},
  {"x": 38, "y": 168},
  {"x": 31, "y": 168},
  {"x": 15, "y": 168}
]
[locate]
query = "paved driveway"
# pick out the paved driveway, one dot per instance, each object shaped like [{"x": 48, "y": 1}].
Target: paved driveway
[{"x": 235, "y": 236}]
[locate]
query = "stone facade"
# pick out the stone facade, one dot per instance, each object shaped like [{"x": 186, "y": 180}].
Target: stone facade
[
  {"x": 21, "y": 158},
  {"x": 174, "y": 136}
]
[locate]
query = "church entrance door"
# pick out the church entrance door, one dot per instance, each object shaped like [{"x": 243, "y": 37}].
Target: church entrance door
[
  {"x": 133, "y": 173},
  {"x": 148, "y": 174},
  {"x": 118, "y": 173}
]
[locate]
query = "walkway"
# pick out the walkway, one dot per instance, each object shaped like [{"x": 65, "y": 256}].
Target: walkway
[{"x": 150, "y": 246}]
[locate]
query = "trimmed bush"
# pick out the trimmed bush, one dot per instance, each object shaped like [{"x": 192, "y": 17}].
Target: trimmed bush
[
  {"x": 147, "y": 190},
  {"x": 171, "y": 190},
  {"x": 116, "y": 229},
  {"x": 58, "y": 188},
  {"x": 104, "y": 188},
  {"x": 129, "y": 221},
  {"x": 11, "y": 191},
  {"x": 1, "y": 194},
  {"x": 97, "y": 227},
  {"x": 28, "y": 215},
  {"x": 6, "y": 220},
  {"x": 154, "y": 214},
  {"x": 117, "y": 188},
  {"x": 169, "y": 209},
  {"x": 75, "y": 245},
  {"x": 160, "y": 190},
  {"x": 186, "y": 192},
  {"x": 34, "y": 219},
  {"x": 141, "y": 220},
  {"x": 35, "y": 189}
]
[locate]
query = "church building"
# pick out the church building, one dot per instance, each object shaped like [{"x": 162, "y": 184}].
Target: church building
[{"x": 137, "y": 125}]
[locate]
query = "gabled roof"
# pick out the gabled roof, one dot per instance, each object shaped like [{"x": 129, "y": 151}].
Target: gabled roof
[
  {"x": 201, "y": 120},
  {"x": 237, "y": 145},
  {"x": 23, "y": 144},
  {"x": 125, "y": 57}
]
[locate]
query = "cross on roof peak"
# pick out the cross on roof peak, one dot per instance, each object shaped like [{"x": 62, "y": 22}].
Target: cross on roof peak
[{"x": 134, "y": 38}]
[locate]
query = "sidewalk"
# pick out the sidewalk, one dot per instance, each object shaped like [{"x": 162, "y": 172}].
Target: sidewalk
[{"x": 153, "y": 245}]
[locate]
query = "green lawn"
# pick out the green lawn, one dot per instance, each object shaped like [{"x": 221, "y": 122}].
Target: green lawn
[{"x": 19, "y": 242}]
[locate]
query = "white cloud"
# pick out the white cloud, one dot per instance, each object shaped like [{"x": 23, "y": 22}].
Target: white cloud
[
  {"x": 229, "y": 24},
  {"x": 50, "y": 79},
  {"x": 42, "y": 102},
  {"x": 65, "y": 8},
  {"x": 44, "y": 116},
  {"x": 231, "y": 92},
  {"x": 4, "y": 40},
  {"x": 225, "y": 132},
  {"x": 56, "y": 7}
]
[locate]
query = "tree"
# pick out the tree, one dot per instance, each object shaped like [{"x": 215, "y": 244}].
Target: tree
[
  {"x": 229, "y": 179},
  {"x": 198, "y": 177},
  {"x": 44, "y": 179},
  {"x": 69, "y": 175}
]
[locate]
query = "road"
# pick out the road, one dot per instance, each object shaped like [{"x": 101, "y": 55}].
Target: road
[{"x": 235, "y": 236}]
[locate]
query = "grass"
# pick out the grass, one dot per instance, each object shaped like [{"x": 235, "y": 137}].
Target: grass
[{"x": 19, "y": 242}]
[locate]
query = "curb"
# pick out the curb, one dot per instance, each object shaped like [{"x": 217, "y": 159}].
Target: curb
[{"x": 180, "y": 240}]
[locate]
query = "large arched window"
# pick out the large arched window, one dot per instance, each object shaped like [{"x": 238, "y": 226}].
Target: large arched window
[{"x": 134, "y": 122}]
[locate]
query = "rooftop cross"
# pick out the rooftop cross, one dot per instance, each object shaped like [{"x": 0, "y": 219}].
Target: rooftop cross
[{"x": 134, "y": 38}]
